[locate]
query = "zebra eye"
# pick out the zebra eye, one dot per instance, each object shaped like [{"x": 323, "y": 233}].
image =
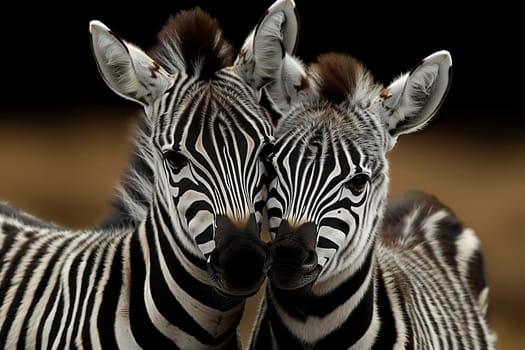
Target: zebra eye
[
  {"x": 357, "y": 184},
  {"x": 175, "y": 160}
]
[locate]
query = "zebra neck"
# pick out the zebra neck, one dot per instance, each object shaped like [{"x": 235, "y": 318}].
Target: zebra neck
[
  {"x": 345, "y": 316},
  {"x": 177, "y": 298}
]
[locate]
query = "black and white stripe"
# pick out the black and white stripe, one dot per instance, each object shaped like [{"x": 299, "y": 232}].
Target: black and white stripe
[
  {"x": 351, "y": 268},
  {"x": 173, "y": 265}
]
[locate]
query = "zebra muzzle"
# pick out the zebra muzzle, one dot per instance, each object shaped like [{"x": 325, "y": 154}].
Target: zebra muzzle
[
  {"x": 294, "y": 257},
  {"x": 240, "y": 261}
]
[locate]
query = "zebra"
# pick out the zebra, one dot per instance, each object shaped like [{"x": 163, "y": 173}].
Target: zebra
[
  {"x": 172, "y": 270},
  {"x": 353, "y": 268}
]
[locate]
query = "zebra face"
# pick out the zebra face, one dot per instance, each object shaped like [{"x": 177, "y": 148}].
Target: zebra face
[
  {"x": 329, "y": 179},
  {"x": 328, "y": 195},
  {"x": 213, "y": 156}
]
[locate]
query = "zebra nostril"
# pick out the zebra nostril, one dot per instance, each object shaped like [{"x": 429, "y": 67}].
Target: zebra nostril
[
  {"x": 269, "y": 258},
  {"x": 216, "y": 261},
  {"x": 291, "y": 252},
  {"x": 311, "y": 258}
]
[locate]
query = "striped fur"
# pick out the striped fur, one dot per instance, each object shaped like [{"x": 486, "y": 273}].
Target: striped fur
[
  {"x": 351, "y": 268},
  {"x": 171, "y": 268}
]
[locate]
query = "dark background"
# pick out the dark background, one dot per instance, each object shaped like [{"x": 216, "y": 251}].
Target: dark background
[{"x": 46, "y": 57}]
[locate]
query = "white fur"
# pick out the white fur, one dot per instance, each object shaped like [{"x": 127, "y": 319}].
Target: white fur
[
  {"x": 262, "y": 62},
  {"x": 412, "y": 99},
  {"x": 126, "y": 68},
  {"x": 314, "y": 328}
]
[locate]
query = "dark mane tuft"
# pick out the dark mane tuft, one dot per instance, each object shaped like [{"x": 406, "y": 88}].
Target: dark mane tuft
[
  {"x": 193, "y": 42},
  {"x": 339, "y": 74}
]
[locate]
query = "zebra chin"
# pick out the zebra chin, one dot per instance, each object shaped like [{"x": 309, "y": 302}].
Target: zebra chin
[
  {"x": 240, "y": 261},
  {"x": 294, "y": 266}
]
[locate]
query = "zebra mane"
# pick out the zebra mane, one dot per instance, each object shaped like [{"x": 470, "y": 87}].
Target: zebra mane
[
  {"x": 341, "y": 77},
  {"x": 135, "y": 190},
  {"x": 192, "y": 42}
]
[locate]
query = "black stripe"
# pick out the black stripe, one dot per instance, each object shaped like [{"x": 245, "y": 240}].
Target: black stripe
[
  {"x": 185, "y": 279},
  {"x": 448, "y": 231},
  {"x": 83, "y": 294},
  {"x": 312, "y": 305},
  {"x": 72, "y": 281},
  {"x": 181, "y": 113},
  {"x": 456, "y": 295},
  {"x": 195, "y": 208},
  {"x": 52, "y": 297},
  {"x": 200, "y": 291},
  {"x": 110, "y": 296},
  {"x": 326, "y": 243},
  {"x": 171, "y": 308},
  {"x": 22, "y": 288},
  {"x": 9, "y": 229},
  {"x": 403, "y": 304},
  {"x": 425, "y": 289},
  {"x": 144, "y": 331},
  {"x": 6, "y": 285},
  {"x": 57, "y": 314},
  {"x": 39, "y": 291},
  {"x": 200, "y": 262},
  {"x": 36, "y": 295},
  {"x": 343, "y": 337},
  {"x": 356, "y": 156},
  {"x": 259, "y": 206},
  {"x": 205, "y": 236},
  {"x": 185, "y": 184},
  {"x": 262, "y": 336},
  {"x": 86, "y": 331},
  {"x": 354, "y": 327},
  {"x": 275, "y": 212},
  {"x": 336, "y": 223},
  {"x": 283, "y": 336},
  {"x": 387, "y": 335}
]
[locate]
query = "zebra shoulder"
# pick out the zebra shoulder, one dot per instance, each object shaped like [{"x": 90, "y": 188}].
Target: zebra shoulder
[{"x": 420, "y": 219}]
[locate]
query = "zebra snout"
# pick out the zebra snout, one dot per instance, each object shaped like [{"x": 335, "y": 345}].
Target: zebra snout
[
  {"x": 294, "y": 264},
  {"x": 240, "y": 261}
]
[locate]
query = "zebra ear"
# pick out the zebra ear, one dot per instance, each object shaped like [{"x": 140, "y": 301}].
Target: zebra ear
[
  {"x": 265, "y": 59},
  {"x": 126, "y": 69},
  {"x": 414, "y": 98}
]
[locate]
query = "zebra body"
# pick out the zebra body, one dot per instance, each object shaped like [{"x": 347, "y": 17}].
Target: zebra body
[
  {"x": 107, "y": 290},
  {"x": 174, "y": 264},
  {"x": 352, "y": 269}
]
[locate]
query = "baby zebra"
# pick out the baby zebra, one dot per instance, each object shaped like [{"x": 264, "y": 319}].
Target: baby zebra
[
  {"x": 350, "y": 269},
  {"x": 174, "y": 270}
]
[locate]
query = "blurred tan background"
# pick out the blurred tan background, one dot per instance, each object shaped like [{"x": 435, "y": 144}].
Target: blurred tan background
[{"x": 62, "y": 165}]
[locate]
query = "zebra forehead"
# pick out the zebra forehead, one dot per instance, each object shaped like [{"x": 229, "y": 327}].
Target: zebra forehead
[
  {"x": 341, "y": 77},
  {"x": 330, "y": 128},
  {"x": 210, "y": 109},
  {"x": 192, "y": 42}
]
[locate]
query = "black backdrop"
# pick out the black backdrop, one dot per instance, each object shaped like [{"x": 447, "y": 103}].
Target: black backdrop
[{"x": 46, "y": 59}]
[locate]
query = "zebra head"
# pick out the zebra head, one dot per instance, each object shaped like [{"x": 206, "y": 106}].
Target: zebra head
[
  {"x": 331, "y": 173},
  {"x": 209, "y": 134}
]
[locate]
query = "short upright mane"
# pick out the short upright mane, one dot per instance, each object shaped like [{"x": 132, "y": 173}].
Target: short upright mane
[
  {"x": 343, "y": 78},
  {"x": 193, "y": 42}
]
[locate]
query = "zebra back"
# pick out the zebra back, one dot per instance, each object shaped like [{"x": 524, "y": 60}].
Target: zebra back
[{"x": 419, "y": 221}]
